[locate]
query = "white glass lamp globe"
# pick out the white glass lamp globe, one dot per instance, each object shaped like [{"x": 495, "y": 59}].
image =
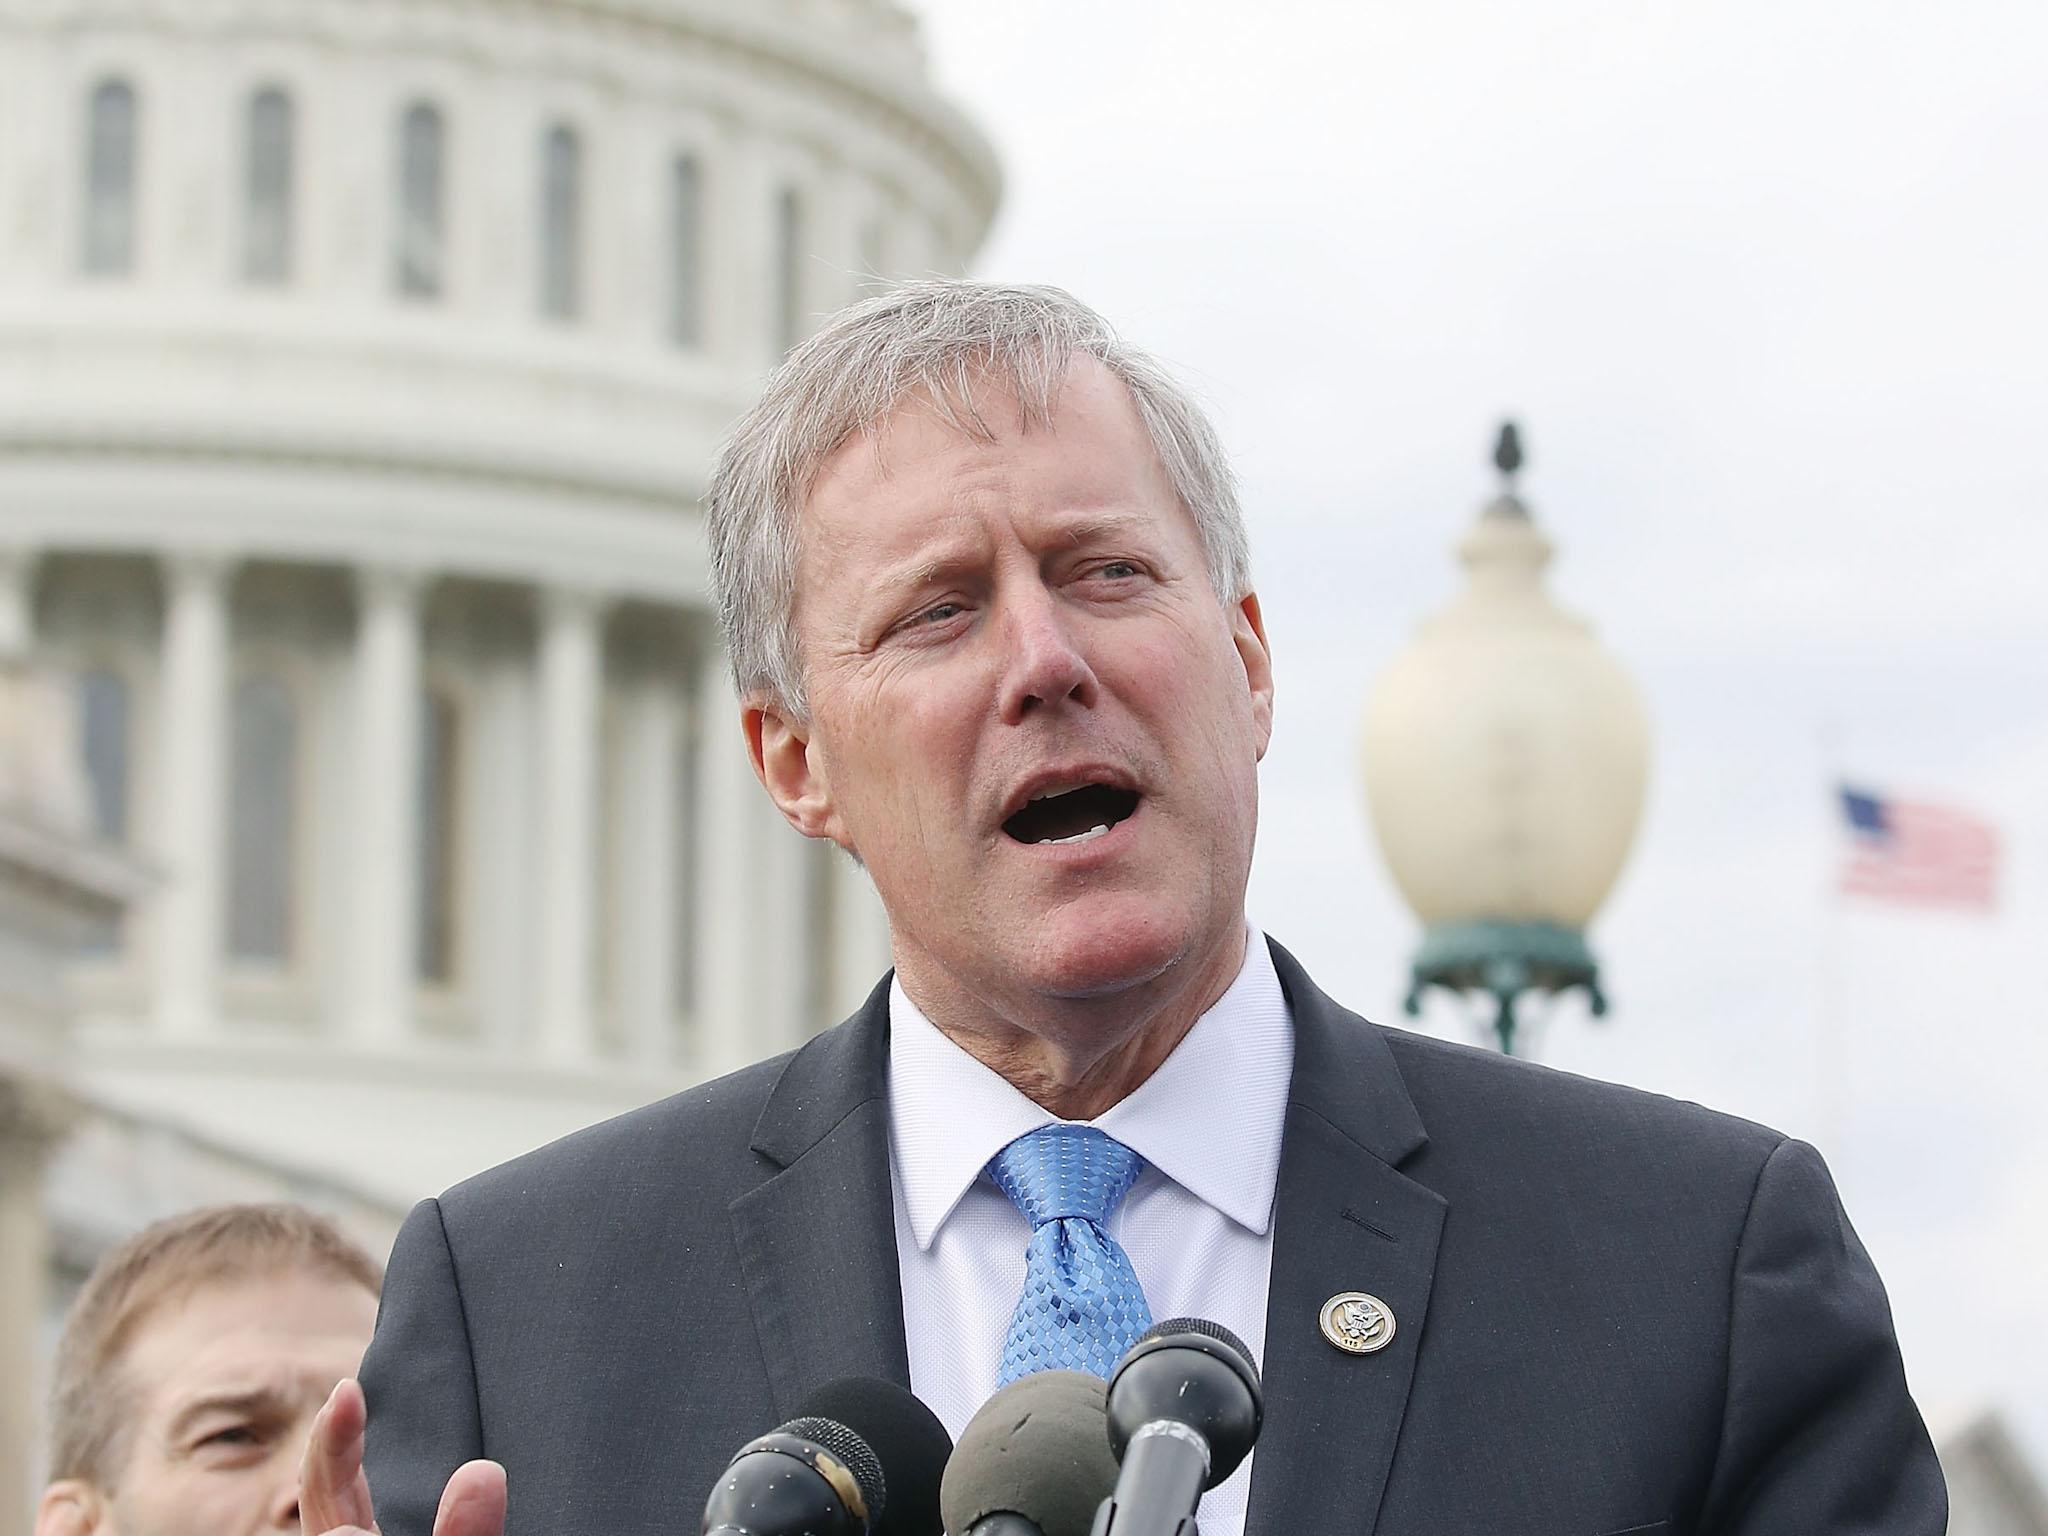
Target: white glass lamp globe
[{"x": 1505, "y": 759}]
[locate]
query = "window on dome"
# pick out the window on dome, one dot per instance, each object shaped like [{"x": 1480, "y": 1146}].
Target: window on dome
[
  {"x": 105, "y": 722},
  {"x": 422, "y": 150},
  {"x": 263, "y": 785},
  {"x": 789, "y": 272},
  {"x": 440, "y": 763},
  {"x": 108, "y": 248},
  {"x": 561, "y": 197},
  {"x": 686, "y": 253},
  {"x": 105, "y": 729},
  {"x": 267, "y": 234}
]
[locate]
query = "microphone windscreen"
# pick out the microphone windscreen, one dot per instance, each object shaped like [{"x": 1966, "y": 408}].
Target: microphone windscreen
[
  {"x": 1039, "y": 1448},
  {"x": 906, "y": 1437},
  {"x": 1208, "y": 1330}
]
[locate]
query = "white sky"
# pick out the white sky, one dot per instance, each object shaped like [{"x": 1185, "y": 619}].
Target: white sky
[{"x": 1763, "y": 283}]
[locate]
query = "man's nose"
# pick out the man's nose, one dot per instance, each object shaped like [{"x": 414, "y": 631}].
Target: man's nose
[
  {"x": 282, "y": 1511},
  {"x": 1046, "y": 663}
]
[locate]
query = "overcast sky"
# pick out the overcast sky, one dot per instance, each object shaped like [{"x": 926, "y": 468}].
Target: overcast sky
[{"x": 1763, "y": 284}]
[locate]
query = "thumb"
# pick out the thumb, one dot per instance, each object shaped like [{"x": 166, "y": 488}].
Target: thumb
[{"x": 473, "y": 1503}]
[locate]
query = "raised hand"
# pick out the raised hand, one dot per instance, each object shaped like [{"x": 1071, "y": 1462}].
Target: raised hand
[{"x": 334, "y": 1495}]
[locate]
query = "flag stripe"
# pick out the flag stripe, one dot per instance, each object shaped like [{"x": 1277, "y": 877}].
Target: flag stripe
[{"x": 1917, "y": 854}]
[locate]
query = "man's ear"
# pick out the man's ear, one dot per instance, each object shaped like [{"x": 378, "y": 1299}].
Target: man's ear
[
  {"x": 791, "y": 768},
  {"x": 1248, "y": 634},
  {"x": 71, "y": 1508}
]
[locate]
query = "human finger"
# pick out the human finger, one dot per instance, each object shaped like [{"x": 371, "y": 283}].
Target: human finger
[
  {"x": 334, "y": 1495},
  {"x": 473, "y": 1503}
]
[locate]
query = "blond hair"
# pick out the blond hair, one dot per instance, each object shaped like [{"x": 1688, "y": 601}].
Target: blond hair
[{"x": 90, "y": 1401}]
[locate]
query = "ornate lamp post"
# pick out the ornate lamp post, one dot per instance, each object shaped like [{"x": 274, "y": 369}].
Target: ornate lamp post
[{"x": 1505, "y": 757}]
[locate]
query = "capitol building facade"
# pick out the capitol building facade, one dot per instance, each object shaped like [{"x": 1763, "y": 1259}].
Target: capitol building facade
[{"x": 361, "y": 364}]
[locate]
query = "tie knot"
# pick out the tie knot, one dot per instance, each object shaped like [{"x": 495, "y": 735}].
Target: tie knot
[{"x": 1062, "y": 1171}]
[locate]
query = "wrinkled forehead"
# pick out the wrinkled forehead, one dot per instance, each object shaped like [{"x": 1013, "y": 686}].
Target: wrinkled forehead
[
  {"x": 289, "y": 1323},
  {"x": 985, "y": 400},
  {"x": 983, "y": 406},
  {"x": 981, "y": 402}
]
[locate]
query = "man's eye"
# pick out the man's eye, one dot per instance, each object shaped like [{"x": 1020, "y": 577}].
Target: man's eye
[
  {"x": 1118, "y": 570},
  {"x": 938, "y": 613},
  {"x": 233, "y": 1435}
]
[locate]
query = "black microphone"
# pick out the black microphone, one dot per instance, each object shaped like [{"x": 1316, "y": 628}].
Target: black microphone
[
  {"x": 811, "y": 1477},
  {"x": 1184, "y": 1409},
  {"x": 1033, "y": 1461},
  {"x": 907, "y": 1439}
]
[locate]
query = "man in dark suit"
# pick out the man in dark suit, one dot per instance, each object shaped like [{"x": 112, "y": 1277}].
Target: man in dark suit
[{"x": 986, "y": 592}]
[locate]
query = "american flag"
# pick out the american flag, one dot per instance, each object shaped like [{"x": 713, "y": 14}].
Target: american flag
[{"x": 1917, "y": 854}]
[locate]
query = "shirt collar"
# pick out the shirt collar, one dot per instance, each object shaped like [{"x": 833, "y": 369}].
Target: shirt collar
[{"x": 1210, "y": 1118}]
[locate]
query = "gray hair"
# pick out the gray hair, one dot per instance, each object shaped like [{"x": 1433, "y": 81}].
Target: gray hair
[{"x": 937, "y": 339}]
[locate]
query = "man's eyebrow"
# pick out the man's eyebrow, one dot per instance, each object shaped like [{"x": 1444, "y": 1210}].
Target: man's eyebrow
[
  {"x": 1104, "y": 525},
  {"x": 923, "y": 569},
  {"x": 265, "y": 1402},
  {"x": 928, "y": 567}
]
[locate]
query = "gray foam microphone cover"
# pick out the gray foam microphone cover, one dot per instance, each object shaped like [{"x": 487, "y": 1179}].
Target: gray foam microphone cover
[{"x": 1038, "y": 1448}]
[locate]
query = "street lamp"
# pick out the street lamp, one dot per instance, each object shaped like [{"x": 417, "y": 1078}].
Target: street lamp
[{"x": 1505, "y": 757}]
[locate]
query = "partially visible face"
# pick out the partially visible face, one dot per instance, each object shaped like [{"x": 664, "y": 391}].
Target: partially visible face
[
  {"x": 1031, "y": 715},
  {"x": 223, "y": 1387}
]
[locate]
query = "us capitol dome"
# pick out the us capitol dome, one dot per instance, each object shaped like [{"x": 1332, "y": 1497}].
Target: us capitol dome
[{"x": 361, "y": 365}]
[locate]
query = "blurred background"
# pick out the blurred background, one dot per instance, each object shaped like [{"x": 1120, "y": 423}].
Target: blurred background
[{"x": 370, "y": 809}]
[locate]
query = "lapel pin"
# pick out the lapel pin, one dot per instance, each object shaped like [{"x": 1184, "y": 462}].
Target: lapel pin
[{"x": 1357, "y": 1323}]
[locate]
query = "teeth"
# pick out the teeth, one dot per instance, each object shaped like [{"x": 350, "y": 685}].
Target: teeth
[
  {"x": 1079, "y": 837},
  {"x": 1048, "y": 794}
]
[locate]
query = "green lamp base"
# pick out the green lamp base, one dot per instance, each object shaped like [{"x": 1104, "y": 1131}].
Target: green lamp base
[{"x": 1504, "y": 959}]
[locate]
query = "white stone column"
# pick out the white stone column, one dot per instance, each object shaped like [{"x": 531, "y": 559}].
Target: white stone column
[
  {"x": 925, "y": 252},
  {"x": 345, "y": 234},
  {"x": 759, "y": 947},
  {"x": 492, "y": 153},
  {"x": 629, "y": 269},
  {"x": 645, "y": 869},
  {"x": 840, "y": 196},
  {"x": 33, "y": 1118},
  {"x": 788, "y": 936},
  {"x": 742, "y": 316},
  {"x": 571, "y": 667},
  {"x": 726, "y": 1011},
  {"x": 194, "y": 789},
  {"x": 186, "y": 235},
  {"x": 383, "y": 870}
]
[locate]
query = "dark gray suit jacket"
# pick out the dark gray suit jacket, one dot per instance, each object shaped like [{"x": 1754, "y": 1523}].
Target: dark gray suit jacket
[{"x": 1615, "y": 1312}]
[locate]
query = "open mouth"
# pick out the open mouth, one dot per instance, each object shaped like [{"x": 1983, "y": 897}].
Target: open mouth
[{"x": 1073, "y": 816}]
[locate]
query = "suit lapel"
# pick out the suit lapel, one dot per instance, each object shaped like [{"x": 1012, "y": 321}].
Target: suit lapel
[
  {"x": 817, "y": 1241},
  {"x": 1344, "y": 1220}
]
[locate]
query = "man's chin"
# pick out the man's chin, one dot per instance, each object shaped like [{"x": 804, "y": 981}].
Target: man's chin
[{"x": 1101, "y": 947}]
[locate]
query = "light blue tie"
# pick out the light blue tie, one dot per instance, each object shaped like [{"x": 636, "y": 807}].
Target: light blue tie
[{"x": 1082, "y": 1306}]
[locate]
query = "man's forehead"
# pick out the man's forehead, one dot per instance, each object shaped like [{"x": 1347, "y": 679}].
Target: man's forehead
[
  {"x": 300, "y": 1371},
  {"x": 985, "y": 407},
  {"x": 287, "y": 1323},
  {"x": 1093, "y": 449}
]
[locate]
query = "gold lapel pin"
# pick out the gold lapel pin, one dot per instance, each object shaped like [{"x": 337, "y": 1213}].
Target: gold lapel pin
[{"x": 1357, "y": 1323}]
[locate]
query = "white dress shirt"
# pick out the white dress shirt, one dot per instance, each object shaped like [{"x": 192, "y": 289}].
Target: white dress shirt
[{"x": 1198, "y": 1223}]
